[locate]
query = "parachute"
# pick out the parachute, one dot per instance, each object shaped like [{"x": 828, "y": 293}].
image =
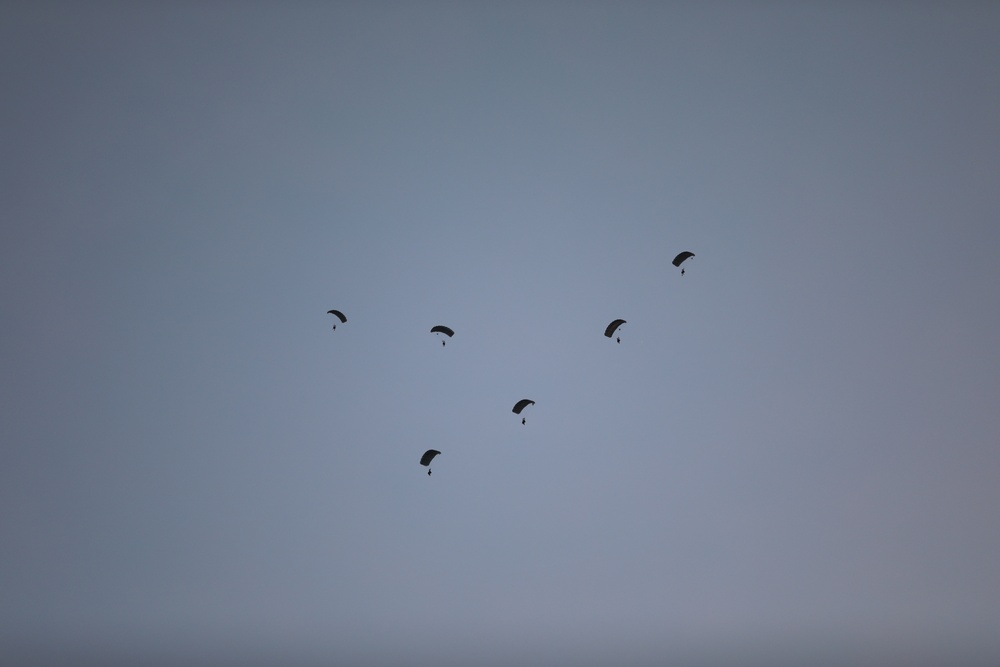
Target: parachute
[
  {"x": 679, "y": 259},
  {"x": 447, "y": 331},
  {"x": 428, "y": 456},
  {"x": 610, "y": 331},
  {"x": 521, "y": 405}
]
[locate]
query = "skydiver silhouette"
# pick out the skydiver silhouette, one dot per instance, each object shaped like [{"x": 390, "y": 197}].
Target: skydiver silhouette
[
  {"x": 428, "y": 472},
  {"x": 682, "y": 272},
  {"x": 442, "y": 343},
  {"x": 618, "y": 340}
]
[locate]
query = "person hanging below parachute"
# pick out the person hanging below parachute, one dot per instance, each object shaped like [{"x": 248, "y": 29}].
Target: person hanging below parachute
[
  {"x": 339, "y": 315},
  {"x": 447, "y": 331},
  {"x": 610, "y": 331},
  {"x": 426, "y": 459},
  {"x": 521, "y": 405},
  {"x": 679, "y": 259}
]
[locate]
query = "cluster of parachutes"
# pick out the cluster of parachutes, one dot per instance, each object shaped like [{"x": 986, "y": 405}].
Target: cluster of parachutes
[
  {"x": 610, "y": 331},
  {"x": 429, "y": 455}
]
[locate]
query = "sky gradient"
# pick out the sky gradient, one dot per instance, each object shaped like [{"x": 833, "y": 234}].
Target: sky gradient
[{"x": 792, "y": 455}]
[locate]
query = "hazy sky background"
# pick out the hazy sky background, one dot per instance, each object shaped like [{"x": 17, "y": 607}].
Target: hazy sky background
[{"x": 793, "y": 451}]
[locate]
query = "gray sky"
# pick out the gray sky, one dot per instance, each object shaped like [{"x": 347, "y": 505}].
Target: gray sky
[{"x": 791, "y": 454}]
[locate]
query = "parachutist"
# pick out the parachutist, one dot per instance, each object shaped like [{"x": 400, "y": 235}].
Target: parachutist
[
  {"x": 428, "y": 472},
  {"x": 618, "y": 340},
  {"x": 682, "y": 272},
  {"x": 442, "y": 343},
  {"x": 334, "y": 327},
  {"x": 522, "y": 421}
]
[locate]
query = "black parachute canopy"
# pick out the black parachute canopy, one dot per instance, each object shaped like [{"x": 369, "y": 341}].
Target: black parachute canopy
[
  {"x": 679, "y": 259},
  {"x": 440, "y": 328},
  {"x": 522, "y": 404},
  {"x": 610, "y": 331},
  {"x": 338, "y": 314},
  {"x": 425, "y": 460}
]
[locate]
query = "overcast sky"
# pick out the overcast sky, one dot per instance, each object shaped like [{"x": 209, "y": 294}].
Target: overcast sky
[{"x": 791, "y": 454}]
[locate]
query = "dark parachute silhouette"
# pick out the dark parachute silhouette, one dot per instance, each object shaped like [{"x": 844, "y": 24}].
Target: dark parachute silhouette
[
  {"x": 339, "y": 315},
  {"x": 679, "y": 259},
  {"x": 610, "y": 331},
  {"x": 440, "y": 328},
  {"x": 426, "y": 459},
  {"x": 521, "y": 405}
]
